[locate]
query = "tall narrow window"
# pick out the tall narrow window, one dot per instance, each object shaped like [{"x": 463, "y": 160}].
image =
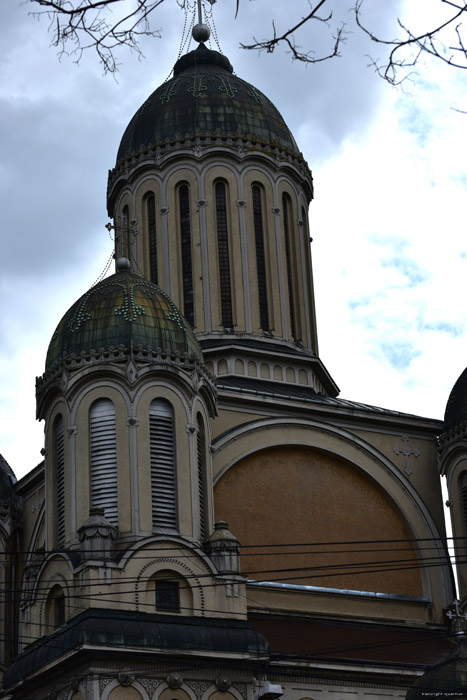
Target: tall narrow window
[
  {"x": 123, "y": 234},
  {"x": 185, "y": 241},
  {"x": 223, "y": 253},
  {"x": 286, "y": 212},
  {"x": 162, "y": 452},
  {"x": 103, "y": 458},
  {"x": 464, "y": 500},
  {"x": 260, "y": 258},
  {"x": 60, "y": 478},
  {"x": 151, "y": 219},
  {"x": 201, "y": 452},
  {"x": 55, "y": 607}
]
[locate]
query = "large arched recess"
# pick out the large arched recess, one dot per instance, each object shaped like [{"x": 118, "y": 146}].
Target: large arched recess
[{"x": 323, "y": 485}]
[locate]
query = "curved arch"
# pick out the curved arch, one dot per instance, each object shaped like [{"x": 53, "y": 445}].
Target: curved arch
[
  {"x": 116, "y": 684},
  {"x": 181, "y": 570},
  {"x": 213, "y": 693},
  {"x": 256, "y": 436},
  {"x": 164, "y": 692}
]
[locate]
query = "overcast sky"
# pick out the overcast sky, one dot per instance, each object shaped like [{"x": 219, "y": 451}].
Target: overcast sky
[{"x": 388, "y": 221}]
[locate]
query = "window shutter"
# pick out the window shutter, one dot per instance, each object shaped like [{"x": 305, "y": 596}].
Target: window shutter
[
  {"x": 185, "y": 242},
  {"x": 200, "y": 446},
  {"x": 260, "y": 258},
  {"x": 103, "y": 448},
  {"x": 162, "y": 451},
  {"x": 223, "y": 255},
  {"x": 286, "y": 206},
  {"x": 464, "y": 500},
  {"x": 60, "y": 477}
]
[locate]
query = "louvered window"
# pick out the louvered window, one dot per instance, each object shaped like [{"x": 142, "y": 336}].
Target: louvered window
[
  {"x": 200, "y": 450},
  {"x": 60, "y": 478},
  {"x": 464, "y": 500},
  {"x": 288, "y": 260},
  {"x": 185, "y": 241},
  {"x": 260, "y": 258},
  {"x": 103, "y": 457},
  {"x": 151, "y": 218},
  {"x": 223, "y": 254},
  {"x": 162, "y": 450}
]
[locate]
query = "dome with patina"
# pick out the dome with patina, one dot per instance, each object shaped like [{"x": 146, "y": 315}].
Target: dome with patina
[
  {"x": 455, "y": 415},
  {"x": 446, "y": 680},
  {"x": 123, "y": 311},
  {"x": 205, "y": 98}
]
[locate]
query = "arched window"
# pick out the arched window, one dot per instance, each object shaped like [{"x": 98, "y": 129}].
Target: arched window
[
  {"x": 201, "y": 465},
  {"x": 123, "y": 234},
  {"x": 103, "y": 458},
  {"x": 286, "y": 218},
  {"x": 152, "y": 236},
  {"x": 185, "y": 243},
  {"x": 260, "y": 258},
  {"x": 162, "y": 453},
  {"x": 55, "y": 608},
  {"x": 463, "y": 495},
  {"x": 223, "y": 256},
  {"x": 59, "y": 439}
]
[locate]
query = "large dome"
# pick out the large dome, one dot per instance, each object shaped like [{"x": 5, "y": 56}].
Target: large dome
[
  {"x": 204, "y": 97},
  {"x": 456, "y": 408},
  {"x": 122, "y": 310}
]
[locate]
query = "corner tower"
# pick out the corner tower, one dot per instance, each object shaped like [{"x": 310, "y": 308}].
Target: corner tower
[{"x": 210, "y": 177}]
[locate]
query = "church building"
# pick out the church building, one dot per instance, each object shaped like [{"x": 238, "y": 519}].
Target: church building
[{"x": 210, "y": 520}]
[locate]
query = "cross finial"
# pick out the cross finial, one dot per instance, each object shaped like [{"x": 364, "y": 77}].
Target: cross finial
[{"x": 456, "y": 616}]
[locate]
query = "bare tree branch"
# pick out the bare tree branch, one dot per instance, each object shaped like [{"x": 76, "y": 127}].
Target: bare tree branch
[
  {"x": 405, "y": 52},
  {"x": 81, "y": 25},
  {"x": 78, "y": 25},
  {"x": 269, "y": 45}
]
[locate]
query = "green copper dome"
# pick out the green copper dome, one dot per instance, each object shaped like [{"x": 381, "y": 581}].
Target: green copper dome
[
  {"x": 122, "y": 310},
  {"x": 204, "y": 97}
]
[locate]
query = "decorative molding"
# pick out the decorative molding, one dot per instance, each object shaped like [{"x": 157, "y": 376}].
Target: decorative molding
[{"x": 199, "y": 687}]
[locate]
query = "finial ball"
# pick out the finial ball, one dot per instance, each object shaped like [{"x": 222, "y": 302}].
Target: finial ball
[
  {"x": 201, "y": 32},
  {"x": 123, "y": 265}
]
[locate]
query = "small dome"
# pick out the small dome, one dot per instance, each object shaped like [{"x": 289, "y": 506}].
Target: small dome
[
  {"x": 7, "y": 480},
  {"x": 205, "y": 97},
  {"x": 456, "y": 407},
  {"x": 445, "y": 680},
  {"x": 123, "y": 309}
]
